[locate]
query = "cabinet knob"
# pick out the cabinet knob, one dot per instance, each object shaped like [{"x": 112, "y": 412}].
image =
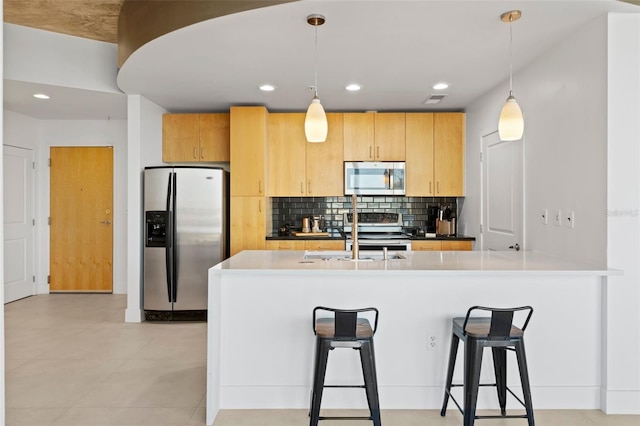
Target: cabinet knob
[
  {"x": 195, "y": 153},
  {"x": 202, "y": 152}
]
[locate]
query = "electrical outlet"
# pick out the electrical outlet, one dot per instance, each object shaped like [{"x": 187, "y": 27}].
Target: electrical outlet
[
  {"x": 557, "y": 217},
  {"x": 570, "y": 219},
  {"x": 544, "y": 216},
  {"x": 432, "y": 343}
]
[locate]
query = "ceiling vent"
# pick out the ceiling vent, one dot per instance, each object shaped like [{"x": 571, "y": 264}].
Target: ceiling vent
[{"x": 434, "y": 99}]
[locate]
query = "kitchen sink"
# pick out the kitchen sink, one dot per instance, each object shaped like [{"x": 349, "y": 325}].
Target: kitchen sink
[{"x": 346, "y": 255}]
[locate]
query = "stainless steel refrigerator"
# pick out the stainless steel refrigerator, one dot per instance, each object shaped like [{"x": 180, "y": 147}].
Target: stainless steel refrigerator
[{"x": 186, "y": 231}]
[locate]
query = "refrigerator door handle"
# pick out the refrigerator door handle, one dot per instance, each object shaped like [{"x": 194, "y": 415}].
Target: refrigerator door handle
[
  {"x": 169, "y": 244},
  {"x": 174, "y": 281}
]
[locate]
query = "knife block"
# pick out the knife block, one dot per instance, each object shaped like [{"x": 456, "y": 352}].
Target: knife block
[{"x": 446, "y": 227}]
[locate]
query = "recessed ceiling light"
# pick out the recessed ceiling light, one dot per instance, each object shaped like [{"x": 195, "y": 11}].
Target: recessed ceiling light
[
  {"x": 267, "y": 87},
  {"x": 440, "y": 86},
  {"x": 353, "y": 87},
  {"x": 41, "y": 96}
]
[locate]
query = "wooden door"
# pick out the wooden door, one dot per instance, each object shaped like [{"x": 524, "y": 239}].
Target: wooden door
[
  {"x": 214, "y": 137},
  {"x": 502, "y": 193},
  {"x": 448, "y": 134},
  {"x": 359, "y": 131},
  {"x": 419, "y": 152},
  {"x": 287, "y": 155},
  {"x": 81, "y": 231},
  {"x": 249, "y": 126},
  {"x": 18, "y": 223},
  {"x": 180, "y": 138},
  {"x": 325, "y": 164},
  {"x": 389, "y": 136}
]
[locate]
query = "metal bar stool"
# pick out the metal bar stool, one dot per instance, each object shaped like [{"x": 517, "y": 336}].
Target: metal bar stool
[
  {"x": 345, "y": 330},
  {"x": 499, "y": 334}
]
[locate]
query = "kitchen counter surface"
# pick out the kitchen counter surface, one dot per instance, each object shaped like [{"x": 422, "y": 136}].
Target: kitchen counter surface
[{"x": 412, "y": 263}]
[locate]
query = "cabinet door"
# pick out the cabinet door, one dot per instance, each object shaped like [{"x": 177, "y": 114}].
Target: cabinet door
[
  {"x": 324, "y": 245},
  {"x": 180, "y": 134},
  {"x": 457, "y": 245},
  {"x": 214, "y": 137},
  {"x": 426, "y": 245},
  {"x": 247, "y": 224},
  {"x": 287, "y": 155},
  {"x": 389, "y": 136},
  {"x": 358, "y": 133},
  {"x": 248, "y": 130},
  {"x": 448, "y": 130},
  {"x": 419, "y": 151},
  {"x": 325, "y": 168},
  {"x": 284, "y": 245}
]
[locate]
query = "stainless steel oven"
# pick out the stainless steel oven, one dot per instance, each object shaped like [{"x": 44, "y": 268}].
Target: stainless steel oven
[{"x": 377, "y": 231}]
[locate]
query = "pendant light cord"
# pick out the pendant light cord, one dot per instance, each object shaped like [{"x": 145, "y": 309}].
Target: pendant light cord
[
  {"x": 316, "y": 62},
  {"x": 510, "y": 57}
]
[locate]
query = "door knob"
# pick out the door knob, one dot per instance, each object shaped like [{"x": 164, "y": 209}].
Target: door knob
[
  {"x": 106, "y": 222},
  {"x": 515, "y": 246}
]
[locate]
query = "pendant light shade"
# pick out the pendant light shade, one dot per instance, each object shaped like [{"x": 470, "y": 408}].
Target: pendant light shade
[
  {"x": 511, "y": 122},
  {"x": 315, "y": 122}
]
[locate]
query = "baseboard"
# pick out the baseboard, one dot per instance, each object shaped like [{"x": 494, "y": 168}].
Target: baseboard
[
  {"x": 620, "y": 401},
  {"x": 402, "y": 397},
  {"x": 133, "y": 315}
]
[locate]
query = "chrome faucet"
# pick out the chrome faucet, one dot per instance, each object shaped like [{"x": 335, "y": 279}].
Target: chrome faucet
[{"x": 355, "y": 249}]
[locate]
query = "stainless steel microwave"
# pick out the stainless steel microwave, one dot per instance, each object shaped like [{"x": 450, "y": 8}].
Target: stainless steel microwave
[{"x": 374, "y": 178}]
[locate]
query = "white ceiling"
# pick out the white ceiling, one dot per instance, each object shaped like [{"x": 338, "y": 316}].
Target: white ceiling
[{"x": 395, "y": 49}]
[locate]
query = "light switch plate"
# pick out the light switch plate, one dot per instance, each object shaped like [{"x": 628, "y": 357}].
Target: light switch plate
[
  {"x": 544, "y": 216},
  {"x": 569, "y": 219},
  {"x": 557, "y": 217}
]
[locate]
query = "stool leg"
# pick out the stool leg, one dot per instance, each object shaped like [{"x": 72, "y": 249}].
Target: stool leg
[
  {"x": 323, "y": 346},
  {"x": 524, "y": 379},
  {"x": 367, "y": 358},
  {"x": 500, "y": 369},
  {"x": 472, "y": 362},
  {"x": 452, "y": 363}
]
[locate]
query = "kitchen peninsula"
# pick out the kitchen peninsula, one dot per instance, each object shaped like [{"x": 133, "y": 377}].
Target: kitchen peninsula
[{"x": 260, "y": 338}]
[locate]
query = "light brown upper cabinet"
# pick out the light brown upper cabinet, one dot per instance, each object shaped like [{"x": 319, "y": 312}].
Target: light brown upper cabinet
[
  {"x": 249, "y": 126},
  {"x": 195, "y": 138},
  {"x": 374, "y": 136},
  {"x": 435, "y": 154},
  {"x": 298, "y": 168}
]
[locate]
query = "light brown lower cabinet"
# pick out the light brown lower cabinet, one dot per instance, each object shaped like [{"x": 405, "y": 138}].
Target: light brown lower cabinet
[
  {"x": 304, "y": 244},
  {"x": 437, "y": 245}
]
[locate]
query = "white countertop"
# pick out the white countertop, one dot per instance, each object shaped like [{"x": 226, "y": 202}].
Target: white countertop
[{"x": 415, "y": 262}]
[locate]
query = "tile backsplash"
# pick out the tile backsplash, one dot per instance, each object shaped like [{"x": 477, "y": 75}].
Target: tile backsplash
[{"x": 417, "y": 212}]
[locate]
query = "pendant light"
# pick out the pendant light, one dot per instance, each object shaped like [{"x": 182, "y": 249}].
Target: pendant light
[
  {"x": 511, "y": 123},
  {"x": 315, "y": 122}
]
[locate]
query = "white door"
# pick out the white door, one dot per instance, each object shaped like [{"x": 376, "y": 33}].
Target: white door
[
  {"x": 18, "y": 223},
  {"x": 502, "y": 194}
]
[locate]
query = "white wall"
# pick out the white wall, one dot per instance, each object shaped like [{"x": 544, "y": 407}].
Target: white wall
[
  {"x": 564, "y": 101},
  {"x": 621, "y": 350},
  {"x": 144, "y": 149},
  {"x": 45, "y": 57}
]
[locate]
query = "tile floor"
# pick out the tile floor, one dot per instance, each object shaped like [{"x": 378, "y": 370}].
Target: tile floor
[{"x": 72, "y": 361}]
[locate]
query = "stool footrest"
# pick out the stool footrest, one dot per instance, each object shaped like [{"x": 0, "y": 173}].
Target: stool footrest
[
  {"x": 448, "y": 392},
  {"x": 344, "y": 386},
  {"x": 344, "y": 418}
]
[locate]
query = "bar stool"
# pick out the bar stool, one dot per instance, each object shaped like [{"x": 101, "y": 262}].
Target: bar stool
[
  {"x": 345, "y": 330},
  {"x": 499, "y": 334}
]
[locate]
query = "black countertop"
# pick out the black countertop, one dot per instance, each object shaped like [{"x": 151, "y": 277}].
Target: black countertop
[{"x": 335, "y": 235}]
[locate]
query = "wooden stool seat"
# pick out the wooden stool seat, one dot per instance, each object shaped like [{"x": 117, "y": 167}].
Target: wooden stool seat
[{"x": 326, "y": 328}]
